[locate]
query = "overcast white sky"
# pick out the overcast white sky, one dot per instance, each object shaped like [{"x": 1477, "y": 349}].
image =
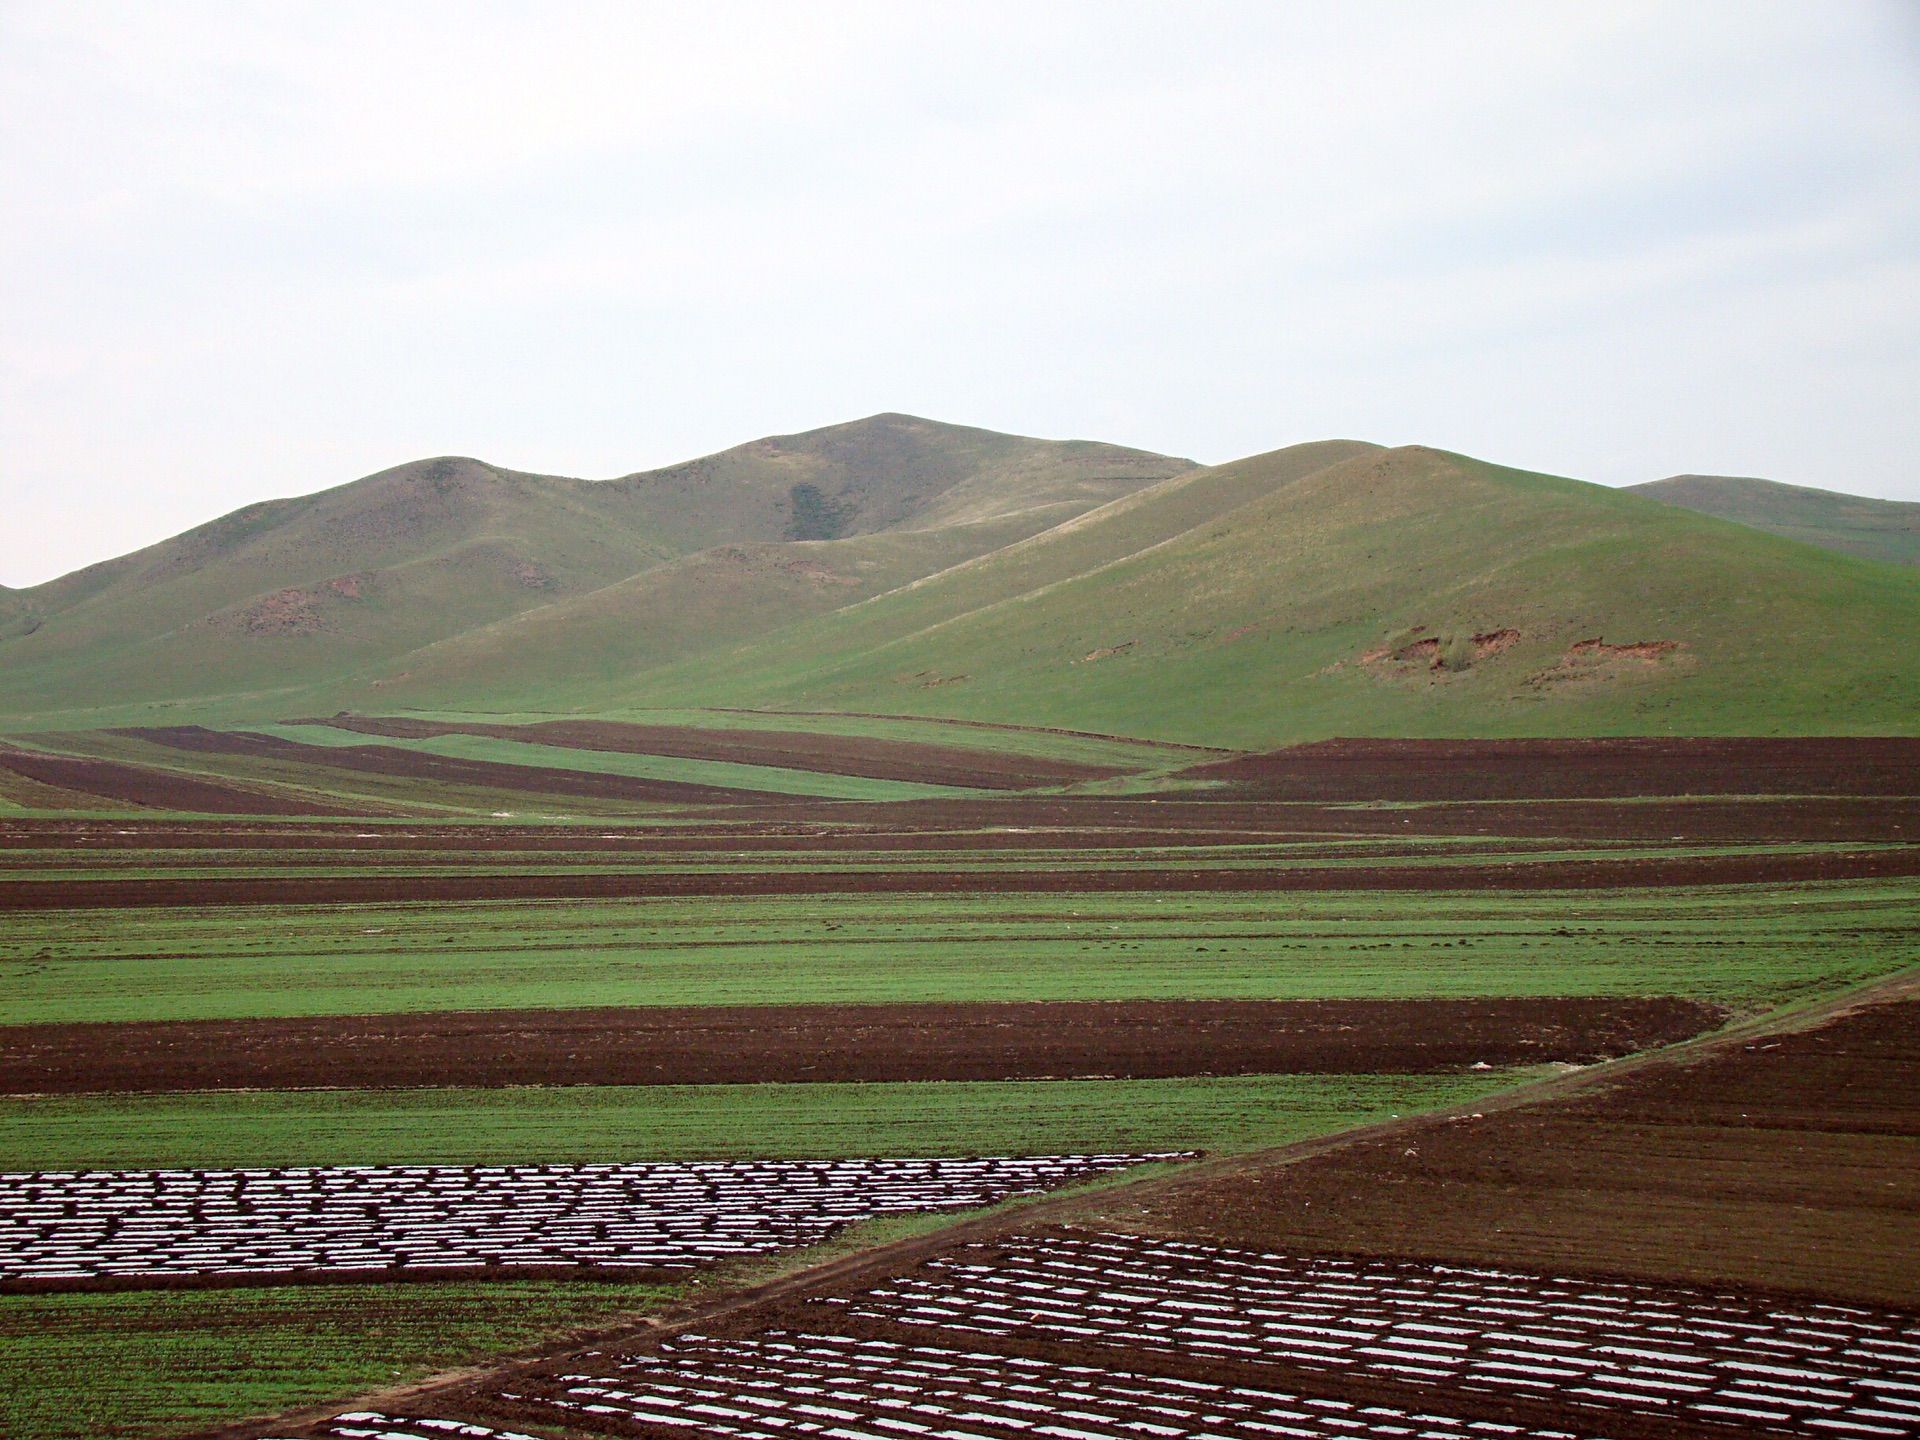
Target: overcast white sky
[{"x": 253, "y": 250}]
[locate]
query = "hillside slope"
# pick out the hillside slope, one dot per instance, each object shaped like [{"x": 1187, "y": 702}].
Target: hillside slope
[
  {"x": 1402, "y": 592},
  {"x": 592, "y": 650},
  {"x": 280, "y": 597},
  {"x": 1853, "y": 524}
]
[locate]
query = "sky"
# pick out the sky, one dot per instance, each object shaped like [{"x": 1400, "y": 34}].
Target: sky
[{"x": 258, "y": 250}]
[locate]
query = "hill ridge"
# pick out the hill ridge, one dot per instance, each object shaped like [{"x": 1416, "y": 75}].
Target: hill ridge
[{"x": 1887, "y": 530}]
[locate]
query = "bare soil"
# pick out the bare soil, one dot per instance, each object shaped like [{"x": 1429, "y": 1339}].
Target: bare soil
[
  {"x": 153, "y": 788},
  {"x": 1411, "y": 770},
  {"x": 416, "y": 764},
  {"x": 1024, "y": 823},
  {"x": 788, "y": 749},
  {"x": 751, "y": 1044},
  {"x": 1606, "y": 874},
  {"x": 1791, "y": 1162}
]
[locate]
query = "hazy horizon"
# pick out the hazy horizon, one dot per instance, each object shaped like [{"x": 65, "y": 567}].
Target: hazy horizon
[{"x": 262, "y": 253}]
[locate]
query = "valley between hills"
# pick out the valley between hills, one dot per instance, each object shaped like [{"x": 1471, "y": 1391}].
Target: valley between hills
[{"x": 905, "y": 931}]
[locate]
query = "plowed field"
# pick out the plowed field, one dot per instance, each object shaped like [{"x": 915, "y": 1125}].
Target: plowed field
[
  {"x": 1792, "y": 1161},
  {"x": 786, "y": 749},
  {"x": 835, "y": 1043},
  {"x": 1411, "y": 770},
  {"x": 1676, "y": 871},
  {"x": 420, "y": 765},
  {"x": 146, "y": 786}
]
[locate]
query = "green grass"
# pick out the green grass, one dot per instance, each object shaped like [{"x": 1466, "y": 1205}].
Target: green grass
[
  {"x": 685, "y": 1122},
  {"x": 1740, "y": 945},
  {"x": 1227, "y": 606},
  {"x": 552, "y": 576},
  {"x": 1855, "y": 524},
  {"x": 1247, "y": 628},
  {"x": 80, "y": 1367}
]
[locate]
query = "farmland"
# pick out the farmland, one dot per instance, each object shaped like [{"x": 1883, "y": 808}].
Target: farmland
[{"x": 511, "y": 1006}]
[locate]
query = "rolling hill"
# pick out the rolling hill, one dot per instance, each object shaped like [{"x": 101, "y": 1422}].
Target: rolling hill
[
  {"x": 1367, "y": 591},
  {"x": 1854, "y": 524},
  {"x": 897, "y": 566},
  {"x": 288, "y": 595}
]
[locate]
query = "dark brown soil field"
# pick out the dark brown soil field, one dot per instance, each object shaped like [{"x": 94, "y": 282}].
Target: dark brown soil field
[
  {"x": 749, "y": 1044},
  {"x": 1402, "y": 770},
  {"x": 1027, "y": 824},
  {"x": 157, "y": 789},
  {"x": 415, "y": 764},
  {"x": 1609, "y": 874},
  {"x": 1790, "y": 1163},
  {"x": 787, "y": 749}
]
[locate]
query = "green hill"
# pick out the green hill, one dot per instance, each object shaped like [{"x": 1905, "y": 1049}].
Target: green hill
[
  {"x": 1402, "y": 592},
  {"x": 288, "y": 596},
  {"x": 894, "y": 566},
  {"x": 1854, "y": 524}
]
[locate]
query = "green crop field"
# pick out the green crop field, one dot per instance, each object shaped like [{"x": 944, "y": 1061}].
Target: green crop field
[
  {"x": 1742, "y": 945},
  {"x": 686, "y": 1122},
  {"x": 82, "y": 1366}
]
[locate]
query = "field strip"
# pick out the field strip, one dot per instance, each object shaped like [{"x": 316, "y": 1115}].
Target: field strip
[
  {"x": 733, "y": 1045},
  {"x": 881, "y": 759},
  {"x": 735, "y": 1306},
  {"x": 21, "y": 896},
  {"x": 750, "y": 780},
  {"x": 595, "y": 1124}
]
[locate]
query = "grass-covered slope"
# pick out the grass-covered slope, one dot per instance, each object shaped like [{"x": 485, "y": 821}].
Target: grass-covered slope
[
  {"x": 896, "y": 566},
  {"x": 1854, "y": 524},
  {"x": 1407, "y": 592},
  {"x": 282, "y": 597},
  {"x": 887, "y": 472}
]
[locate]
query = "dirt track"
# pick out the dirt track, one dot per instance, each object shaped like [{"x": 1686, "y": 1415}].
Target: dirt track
[
  {"x": 30, "y": 895},
  {"x": 978, "y": 769},
  {"x": 750, "y": 1044}
]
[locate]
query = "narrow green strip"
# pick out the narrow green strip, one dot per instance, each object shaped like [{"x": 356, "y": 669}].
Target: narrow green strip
[{"x": 684, "y": 1122}]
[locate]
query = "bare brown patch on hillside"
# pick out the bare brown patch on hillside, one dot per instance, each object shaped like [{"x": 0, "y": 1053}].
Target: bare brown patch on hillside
[
  {"x": 1491, "y": 642},
  {"x": 1596, "y": 661},
  {"x": 1439, "y": 653},
  {"x": 767, "y": 561},
  {"x": 297, "y": 610}
]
